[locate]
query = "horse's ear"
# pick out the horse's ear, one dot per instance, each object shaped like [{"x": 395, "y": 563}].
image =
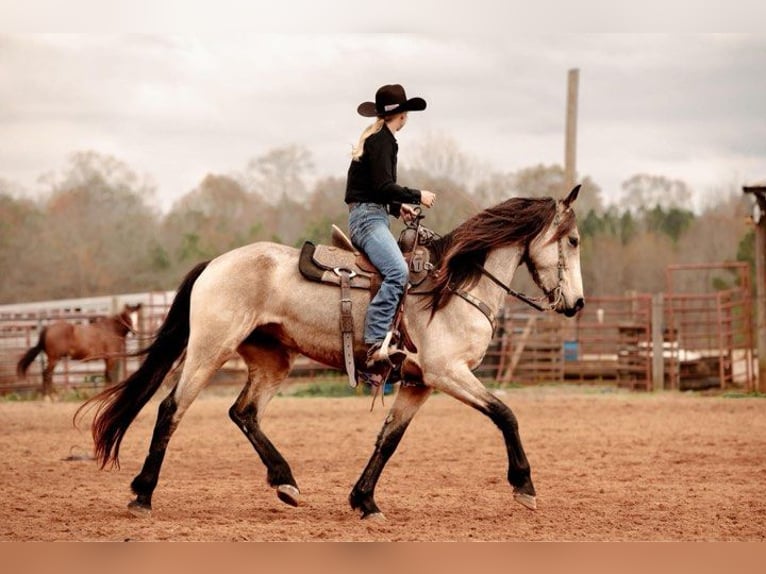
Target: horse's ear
[{"x": 572, "y": 196}]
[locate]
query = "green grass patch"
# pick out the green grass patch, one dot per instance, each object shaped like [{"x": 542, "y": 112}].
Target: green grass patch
[
  {"x": 321, "y": 389},
  {"x": 331, "y": 386},
  {"x": 743, "y": 395},
  {"x": 61, "y": 395}
]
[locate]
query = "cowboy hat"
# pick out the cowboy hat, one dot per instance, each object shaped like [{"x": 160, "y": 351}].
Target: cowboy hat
[{"x": 390, "y": 99}]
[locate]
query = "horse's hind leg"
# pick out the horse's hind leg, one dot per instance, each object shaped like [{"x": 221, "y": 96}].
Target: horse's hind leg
[
  {"x": 268, "y": 367},
  {"x": 408, "y": 401},
  {"x": 194, "y": 377}
]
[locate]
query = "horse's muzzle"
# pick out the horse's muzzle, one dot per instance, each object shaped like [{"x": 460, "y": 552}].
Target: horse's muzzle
[{"x": 572, "y": 311}]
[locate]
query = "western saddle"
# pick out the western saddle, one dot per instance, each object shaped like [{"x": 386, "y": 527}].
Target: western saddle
[{"x": 341, "y": 264}]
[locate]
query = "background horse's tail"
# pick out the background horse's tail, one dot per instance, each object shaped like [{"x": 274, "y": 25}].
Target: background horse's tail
[
  {"x": 120, "y": 404},
  {"x": 29, "y": 356}
]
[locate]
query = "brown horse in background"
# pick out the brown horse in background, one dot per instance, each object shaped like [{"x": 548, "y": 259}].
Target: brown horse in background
[{"x": 104, "y": 338}]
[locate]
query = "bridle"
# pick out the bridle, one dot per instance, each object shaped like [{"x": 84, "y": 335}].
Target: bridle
[{"x": 553, "y": 296}]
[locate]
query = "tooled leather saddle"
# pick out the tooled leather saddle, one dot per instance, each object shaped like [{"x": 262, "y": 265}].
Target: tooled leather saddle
[{"x": 341, "y": 264}]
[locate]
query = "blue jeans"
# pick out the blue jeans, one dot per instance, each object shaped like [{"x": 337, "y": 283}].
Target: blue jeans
[{"x": 370, "y": 232}]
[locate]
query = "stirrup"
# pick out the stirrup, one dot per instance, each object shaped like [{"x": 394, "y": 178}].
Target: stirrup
[
  {"x": 384, "y": 353},
  {"x": 394, "y": 357},
  {"x": 372, "y": 380}
]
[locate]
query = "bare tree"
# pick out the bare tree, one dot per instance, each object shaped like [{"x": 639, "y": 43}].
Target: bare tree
[
  {"x": 455, "y": 203},
  {"x": 324, "y": 207},
  {"x": 21, "y": 221},
  {"x": 548, "y": 181},
  {"x": 602, "y": 265},
  {"x": 644, "y": 192},
  {"x": 216, "y": 216},
  {"x": 279, "y": 174},
  {"x": 495, "y": 188},
  {"x": 644, "y": 261},
  {"x": 716, "y": 234},
  {"x": 441, "y": 157},
  {"x": 97, "y": 228}
]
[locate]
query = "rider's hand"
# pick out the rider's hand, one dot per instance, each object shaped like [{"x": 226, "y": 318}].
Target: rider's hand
[
  {"x": 408, "y": 213},
  {"x": 427, "y": 198}
]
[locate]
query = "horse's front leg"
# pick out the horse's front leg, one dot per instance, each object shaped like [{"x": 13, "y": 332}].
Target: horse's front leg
[
  {"x": 408, "y": 401},
  {"x": 464, "y": 386},
  {"x": 109, "y": 371},
  {"x": 48, "y": 378},
  {"x": 268, "y": 368}
]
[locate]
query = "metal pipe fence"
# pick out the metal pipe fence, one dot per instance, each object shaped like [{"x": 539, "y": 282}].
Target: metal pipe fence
[{"x": 705, "y": 340}]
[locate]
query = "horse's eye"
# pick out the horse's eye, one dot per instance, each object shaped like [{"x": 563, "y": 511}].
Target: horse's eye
[{"x": 574, "y": 241}]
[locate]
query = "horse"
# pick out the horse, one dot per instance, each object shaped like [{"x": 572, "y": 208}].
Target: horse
[
  {"x": 103, "y": 338},
  {"x": 253, "y": 301}
]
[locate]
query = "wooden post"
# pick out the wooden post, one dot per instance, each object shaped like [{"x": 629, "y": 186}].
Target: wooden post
[
  {"x": 759, "y": 218},
  {"x": 570, "y": 153},
  {"x": 658, "y": 343},
  {"x": 119, "y": 367}
]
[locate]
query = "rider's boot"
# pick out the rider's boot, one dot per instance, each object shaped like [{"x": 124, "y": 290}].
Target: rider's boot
[{"x": 384, "y": 352}]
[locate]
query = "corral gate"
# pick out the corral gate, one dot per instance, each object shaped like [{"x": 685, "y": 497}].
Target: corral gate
[
  {"x": 710, "y": 334},
  {"x": 704, "y": 339}
]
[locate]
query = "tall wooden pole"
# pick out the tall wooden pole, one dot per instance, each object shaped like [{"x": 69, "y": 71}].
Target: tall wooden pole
[
  {"x": 570, "y": 153},
  {"x": 759, "y": 218}
]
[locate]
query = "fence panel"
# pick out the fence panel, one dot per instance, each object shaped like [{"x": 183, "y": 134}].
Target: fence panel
[
  {"x": 710, "y": 340},
  {"x": 707, "y": 341},
  {"x": 609, "y": 340}
]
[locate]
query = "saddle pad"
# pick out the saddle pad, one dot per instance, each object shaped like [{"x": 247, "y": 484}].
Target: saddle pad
[{"x": 317, "y": 263}]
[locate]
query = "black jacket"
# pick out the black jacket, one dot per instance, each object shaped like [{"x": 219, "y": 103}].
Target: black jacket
[{"x": 372, "y": 179}]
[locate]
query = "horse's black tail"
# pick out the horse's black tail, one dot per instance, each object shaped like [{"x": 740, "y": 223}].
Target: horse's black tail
[
  {"x": 29, "y": 356},
  {"x": 120, "y": 404}
]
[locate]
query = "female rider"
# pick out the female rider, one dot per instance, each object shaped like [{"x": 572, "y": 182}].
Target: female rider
[{"x": 372, "y": 194}]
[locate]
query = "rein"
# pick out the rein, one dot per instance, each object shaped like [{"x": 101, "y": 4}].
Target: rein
[{"x": 532, "y": 302}]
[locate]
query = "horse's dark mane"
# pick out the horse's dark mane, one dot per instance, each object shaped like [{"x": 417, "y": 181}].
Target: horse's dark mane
[{"x": 457, "y": 255}]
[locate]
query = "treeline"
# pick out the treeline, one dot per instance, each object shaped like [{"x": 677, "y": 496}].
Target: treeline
[{"x": 97, "y": 229}]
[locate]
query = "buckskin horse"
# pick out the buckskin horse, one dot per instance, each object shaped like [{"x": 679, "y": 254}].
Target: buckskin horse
[
  {"x": 253, "y": 301},
  {"x": 104, "y": 338}
]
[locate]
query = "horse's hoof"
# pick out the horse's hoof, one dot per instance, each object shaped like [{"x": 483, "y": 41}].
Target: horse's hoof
[
  {"x": 374, "y": 517},
  {"x": 288, "y": 494},
  {"x": 139, "y": 510},
  {"x": 526, "y": 500}
]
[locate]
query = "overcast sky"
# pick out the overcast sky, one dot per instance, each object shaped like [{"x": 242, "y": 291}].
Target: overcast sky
[{"x": 177, "y": 107}]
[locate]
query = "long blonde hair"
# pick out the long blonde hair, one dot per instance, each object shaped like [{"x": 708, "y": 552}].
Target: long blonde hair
[{"x": 358, "y": 150}]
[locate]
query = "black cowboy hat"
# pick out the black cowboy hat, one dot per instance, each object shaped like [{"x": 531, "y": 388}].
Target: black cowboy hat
[{"x": 390, "y": 99}]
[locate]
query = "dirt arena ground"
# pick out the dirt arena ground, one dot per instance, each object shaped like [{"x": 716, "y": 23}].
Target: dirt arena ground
[{"x": 608, "y": 466}]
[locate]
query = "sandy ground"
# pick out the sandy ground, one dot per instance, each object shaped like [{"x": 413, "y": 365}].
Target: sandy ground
[{"x": 608, "y": 466}]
